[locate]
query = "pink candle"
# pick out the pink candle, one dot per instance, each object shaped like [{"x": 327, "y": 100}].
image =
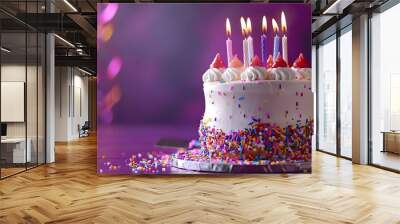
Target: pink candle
[
  {"x": 228, "y": 41},
  {"x": 245, "y": 44}
]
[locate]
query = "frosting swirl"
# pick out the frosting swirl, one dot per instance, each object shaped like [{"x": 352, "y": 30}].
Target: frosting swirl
[
  {"x": 231, "y": 74},
  {"x": 233, "y": 71},
  {"x": 281, "y": 74},
  {"x": 280, "y": 70},
  {"x": 212, "y": 75},
  {"x": 253, "y": 73},
  {"x": 302, "y": 73},
  {"x": 256, "y": 71}
]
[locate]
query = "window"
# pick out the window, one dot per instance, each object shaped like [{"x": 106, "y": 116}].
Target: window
[
  {"x": 346, "y": 93},
  {"x": 313, "y": 83},
  {"x": 385, "y": 89},
  {"x": 327, "y": 96},
  {"x": 22, "y": 88}
]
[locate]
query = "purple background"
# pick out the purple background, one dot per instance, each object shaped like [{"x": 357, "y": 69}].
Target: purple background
[{"x": 165, "y": 49}]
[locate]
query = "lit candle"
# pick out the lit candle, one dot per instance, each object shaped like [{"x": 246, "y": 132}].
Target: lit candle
[
  {"x": 228, "y": 41},
  {"x": 249, "y": 39},
  {"x": 276, "y": 39},
  {"x": 284, "y": 39},
  {"x": 245, "y": 46},
  {"x": 264, "y": 54}
]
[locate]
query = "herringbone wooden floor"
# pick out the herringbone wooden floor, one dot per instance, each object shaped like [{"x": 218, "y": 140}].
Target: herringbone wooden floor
[{"x": 70, "y": 191}]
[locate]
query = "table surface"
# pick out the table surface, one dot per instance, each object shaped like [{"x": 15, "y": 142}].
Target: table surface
[
  {"x": 13, "y": 140},
  {"x": 390, "y": 132}
]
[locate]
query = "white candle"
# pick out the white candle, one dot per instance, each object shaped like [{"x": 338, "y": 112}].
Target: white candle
[
  {"x": 246, "y": 61},
  {"x": 249, "y": 39},
  {"x": 229, "y": 49},
  {"x": 245, "y": 53},
  {"x": 284, "y": 38},
  {"x": 229, "y": 53},
  {"x": 284, "y": 49}
]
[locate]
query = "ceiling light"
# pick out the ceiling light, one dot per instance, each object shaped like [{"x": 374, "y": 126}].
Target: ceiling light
[
  {"x": 79, "y": 51},
  {"x": 5, "y": 50},
  {"x": 65, "y": 41},
  {"x": 338, "y": 6},
  {"x": 70, "y": 5},
  {"x": 84, "y": 71}
]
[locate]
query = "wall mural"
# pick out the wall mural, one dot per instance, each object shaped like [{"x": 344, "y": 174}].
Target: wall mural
[{"x": 204, "y": 88}]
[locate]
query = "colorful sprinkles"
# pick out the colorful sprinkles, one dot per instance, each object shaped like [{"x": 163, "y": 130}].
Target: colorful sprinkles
[
  {"x": 262, "y": 141},
  {"x": 154, "y": 162}
]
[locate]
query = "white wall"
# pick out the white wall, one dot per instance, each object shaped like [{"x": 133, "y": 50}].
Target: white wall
[
  {"x": 80, "y": 110},
  {"x": 71, "y": 102},
  {"x": 33, "y": 127},
  {"x": 62, "y": 82},
  {"x": 12, "y": 73}
]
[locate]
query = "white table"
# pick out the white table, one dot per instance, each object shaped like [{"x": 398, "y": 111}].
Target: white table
[{"x": 19, "y": 155}]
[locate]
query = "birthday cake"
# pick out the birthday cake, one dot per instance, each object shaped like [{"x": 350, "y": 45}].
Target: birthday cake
[{"x": 257, "y": 115}]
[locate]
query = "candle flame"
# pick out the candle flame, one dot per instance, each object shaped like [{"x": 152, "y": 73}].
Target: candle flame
[
  {"x": 275, "y": 26},
  {"x": 228, "y": 27},
  {"x": 248, "y": 25},
  {"x": 283, "y": 20},
  {"x": 243, "y": 25},
  {"x": 264, "y": 25}
]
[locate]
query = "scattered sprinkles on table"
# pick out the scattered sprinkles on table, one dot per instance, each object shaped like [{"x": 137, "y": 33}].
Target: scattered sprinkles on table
[{"x": 153, "y": 162}]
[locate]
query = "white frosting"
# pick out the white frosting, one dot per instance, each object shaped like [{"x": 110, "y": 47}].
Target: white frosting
[
  {"x": 253, "y": 73},
  {"x": 212, "y": 75},
  {"x": 231, "y": 106},
  {"x": 231, "y": 74},
  {"x": 281, "y": 74},
  {"x": 302, "y": 73}
]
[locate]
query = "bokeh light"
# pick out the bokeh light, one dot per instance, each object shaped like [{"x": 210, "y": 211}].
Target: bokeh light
[
  {"x": 106, "y": 32},
  {"x": 114, "y": 67},
  {"x": 109, "y": 12}
]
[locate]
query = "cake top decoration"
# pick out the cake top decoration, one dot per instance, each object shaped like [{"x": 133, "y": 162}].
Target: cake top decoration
[
  {"x": 279, "y": 63},
  {"x": 300, "y": 62},
  {"x": 217, "y": 62},
  {"x": 235, "y": 62},
  {"x": 256, "y": 62},
  {"x": 270, "y": 61}
]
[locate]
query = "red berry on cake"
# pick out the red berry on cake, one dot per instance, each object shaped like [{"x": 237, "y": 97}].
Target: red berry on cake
[
  {"x": 279, "y": 62},
  {"x": 300, "y": 62},
  {"x": 270, "y": 61},
  {"x": 301, "y": 68},
  {"x": 255, "y": 61},
  {"x": 217, "y": 62}
]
